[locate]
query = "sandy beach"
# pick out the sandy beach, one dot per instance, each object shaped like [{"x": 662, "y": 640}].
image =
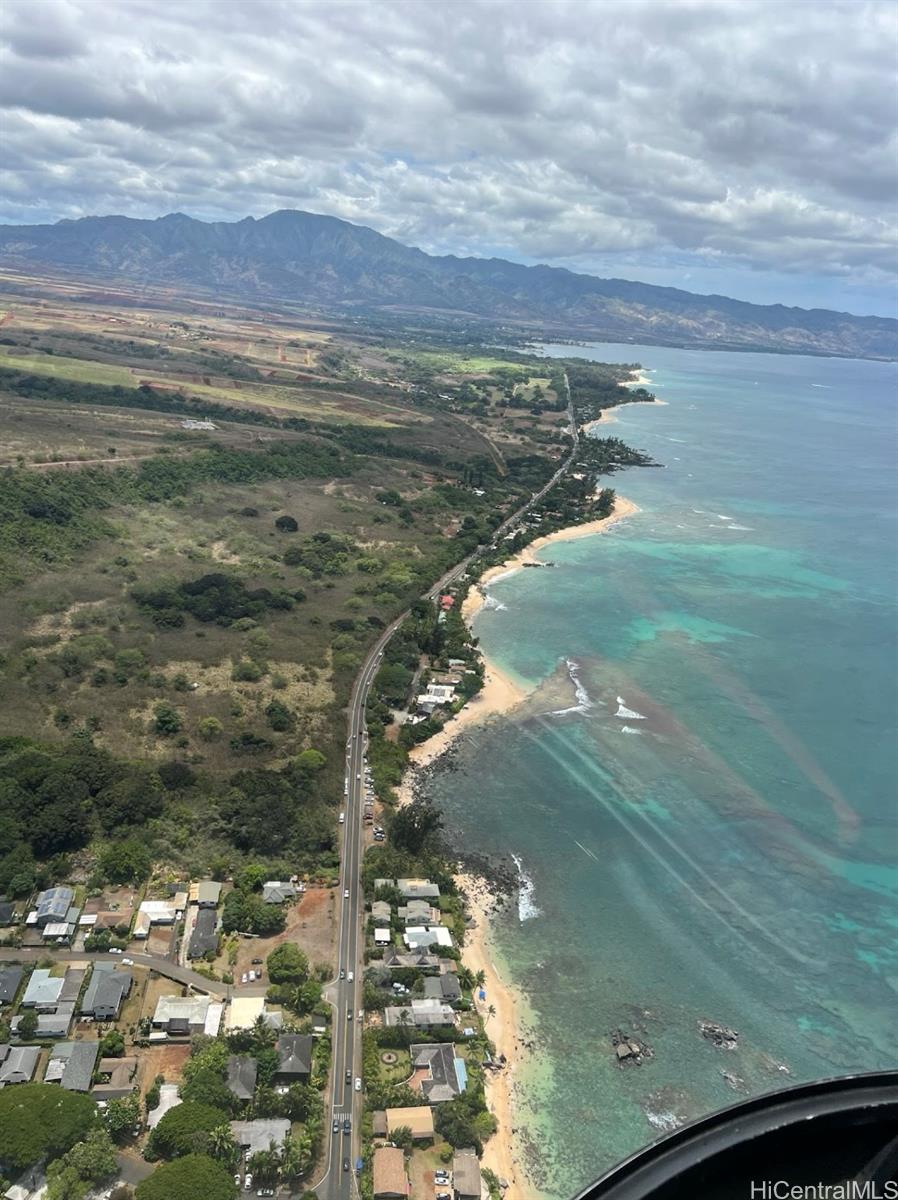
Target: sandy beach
[{"x": 503, "y": 1153}]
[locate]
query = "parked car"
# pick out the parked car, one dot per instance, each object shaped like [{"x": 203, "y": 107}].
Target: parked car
[
  {"x": 237, "y": 1181},
  {"x": 358, "y": 1084},
  {"x": 244, "y": 978},
  {"x": 127, "y": 962},
  {"x": 248, "y": 1183},
  {"x": 256, "y": 961},
  {"x": 252, "y": 976}
]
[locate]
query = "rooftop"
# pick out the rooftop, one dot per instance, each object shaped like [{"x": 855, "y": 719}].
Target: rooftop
[
  {"x": 71, "y": 1065},
  {"x": 43, "y": 989},
  {"x": 418, "y": 1119},
  {"x": 442, "y": 1081},
  {"x": 294, "y": 1053},
  {"x": 390, "y": 1178},
  {"x": 242, "y": 1070},
  {"x": 260, "y": 1135},
  {"x": 466, "y": 1175},
  {"x": 19, "y": 1065}
]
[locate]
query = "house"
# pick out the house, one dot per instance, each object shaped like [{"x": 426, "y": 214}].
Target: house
[
  {"x": 105, "y": 992},
  {"x": 53, "y": 905},
  {"x": 420, "y": 1013},
  {"x": 43, "y": 990},
  {"x": 446, "y": 602},
  {"x": 182, "y": 1016},
  {"x": 242, "y": 1070},
  {"x": 243, "y": 1012},
  {"x": 71, "y": 1065},
  {"x": 390, "y": 1179},
  {"x": 277, "y": 892},
  {"x": 63, "y": 929},
  {"x": 418, "y": 1119},
  {"x": 420, "y": 937},
  {"x": 383, "y": 883},
  {"x": 7, "y": 912},
  {"x": 439, "y": 1073},
  {"x": 381, "y": 912},
  {"x": 254, "y": 1136},
  {"x": 19, "y": 1064},
  {"x": 294, "y": 1057},
  {"x": 418, "y": 912},
  {"x": 154, "y": 912},
  {"x": 10, "y": 978},
  {"x": 50, "y": 1024},
  {"x": 379, "y": 1123},
  {"x": 382, "y": 937},
  {"x": 395, "y": 959},
  {"x": 443, "y": 987},
  {"x": 206, "y": 893},
  {"x": 418, "y": 889},
  {"x": 120, "y": 1081},
  {"x": 466, "y": 1179},
  {"x": 204, "y": 938},
  {"x": 71, "y": 985}
]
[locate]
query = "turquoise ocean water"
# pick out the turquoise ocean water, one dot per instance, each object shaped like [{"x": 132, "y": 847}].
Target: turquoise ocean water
[{"x": 709, "y": 830}]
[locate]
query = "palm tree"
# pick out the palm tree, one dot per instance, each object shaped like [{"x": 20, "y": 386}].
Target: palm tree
[
  {"x": 491, "y": 1011},
  {"x": 222, "y": 1145}
]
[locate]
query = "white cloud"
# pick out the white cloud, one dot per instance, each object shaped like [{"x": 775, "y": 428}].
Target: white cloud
[{"x": 757, "y": 135}]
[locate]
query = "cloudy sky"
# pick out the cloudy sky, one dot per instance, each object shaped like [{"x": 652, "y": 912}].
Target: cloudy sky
[{"x": 747, "y": 147}]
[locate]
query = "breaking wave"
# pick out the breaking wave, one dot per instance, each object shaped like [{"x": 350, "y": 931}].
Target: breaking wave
[
  {"x": 628, "y": 729},
  {"x": 491, "y": 602},
  {"x": 581, "y": 694},
  {"x": 629, "y": 713},
  {"x": 667, "y": 1122},
  {"x": 527, "y": 906}
]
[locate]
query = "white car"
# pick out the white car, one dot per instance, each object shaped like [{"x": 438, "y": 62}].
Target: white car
[
  {"x": 350, "y": 977},
  {"x": 127, "y": 962},
  {"x": 358, "y": 1084},
  {"x": 244, "y": 978},
  {"x": 252, "y": 976},
  {"x": 346, "y": 893},
  {"x": 248, "y": 1183},
  {"x": 342, "y": 817}
]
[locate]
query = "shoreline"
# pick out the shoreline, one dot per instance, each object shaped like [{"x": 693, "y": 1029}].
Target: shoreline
[
  {"x": 608, "y": 416},
  {"x": 504, "y": 1152}
]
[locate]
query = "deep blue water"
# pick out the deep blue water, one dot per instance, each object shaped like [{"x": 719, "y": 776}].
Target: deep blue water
[{"x": 729, "y": 853}]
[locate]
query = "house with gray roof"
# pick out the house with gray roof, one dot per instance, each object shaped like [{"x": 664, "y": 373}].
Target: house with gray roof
[
  {"x": 277, "y": 892},
  {"x": 466, "y": 1178},
  {"x": 294, "y": 1057},
  {"x": 444, "y": 1076},
  {"x": 419, "y": 1013},
  {"x": 204, "y": 938},
  {"x": 19, "y": 1064},
  {"x": 394, "y": 959},
  {"x": 50, "y": 1024},
  {"x": 43, "y": 990},
  {"x": 418, "y": 912},
  {"x": 72, "y": 1064},
  {"x": 242, "y": 1070},
  {"x": 381, "y": 912},
  {"x": 53, "y": 905},
  {"x": 443, "y": 987},
  {"x": 7, "y": 911},
  {"x": 105, "y": 992},
  {"x": 418, "y": 889},
  {"x": 71, "y": 986},
  {"x": 255, "y": 1136},
  {"x": 10, "y": 978}
]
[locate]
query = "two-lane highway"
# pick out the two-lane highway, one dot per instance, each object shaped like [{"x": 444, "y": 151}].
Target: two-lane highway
[{"x": 339, "y": 1180}]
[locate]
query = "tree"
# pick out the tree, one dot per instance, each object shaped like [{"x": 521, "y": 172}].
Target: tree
[
  {"x": 403, "y": 1138},
  {"x": 210, "y": 729},
  {"x": 87, "y": 1162},
  {"x": 122, "y": 1117},
  {"x": 112, "y": 1045},
  {"x": 184, "y": 1130},
  {"x": 125, "y": 862},
  {"x": 280, "y": 718},
  {"x": 222, "y": 1146},
  {"x": 40, "y": 1121},
  {"x": 189, "y": 1178},
  {"x": 166, "y": 719},
  {"x": 415, "y": 825},
  {"x": 286, "y": 524},
  {"x": 287, "y": 964},
  {"x": 27, "y": 1026}
]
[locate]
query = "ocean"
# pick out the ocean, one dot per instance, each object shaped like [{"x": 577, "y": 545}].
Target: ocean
[{"x": 706, "y": 829}]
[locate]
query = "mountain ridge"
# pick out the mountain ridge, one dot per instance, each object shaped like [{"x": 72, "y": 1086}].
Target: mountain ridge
[{"x": 328, "y": 262}]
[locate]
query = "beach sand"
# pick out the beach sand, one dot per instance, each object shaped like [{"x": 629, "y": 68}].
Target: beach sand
[{"x": 503, "y": 1153}]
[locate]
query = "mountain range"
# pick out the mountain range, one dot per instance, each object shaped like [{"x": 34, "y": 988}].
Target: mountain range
[{"x": 324, "y": 262}]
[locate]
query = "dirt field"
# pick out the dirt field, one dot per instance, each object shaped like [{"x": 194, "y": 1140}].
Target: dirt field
[
  {"x": 311, "y": 924},
  {"x": 162, "y": 1060},
  {"x": 421, "y": 1167}
]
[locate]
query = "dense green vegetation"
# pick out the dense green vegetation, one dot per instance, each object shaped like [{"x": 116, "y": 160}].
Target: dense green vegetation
[
  {"x": 195, "y": 1175},
  {"x": 214, "y": 597},
  {"x": 40, "y": 1122}
]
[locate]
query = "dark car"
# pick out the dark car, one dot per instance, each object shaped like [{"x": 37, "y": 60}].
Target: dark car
[
  {"x": 349, "y": 1076},
  {"x": 256, "y": 961},
  {"x": 347, "y": 1125}
]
